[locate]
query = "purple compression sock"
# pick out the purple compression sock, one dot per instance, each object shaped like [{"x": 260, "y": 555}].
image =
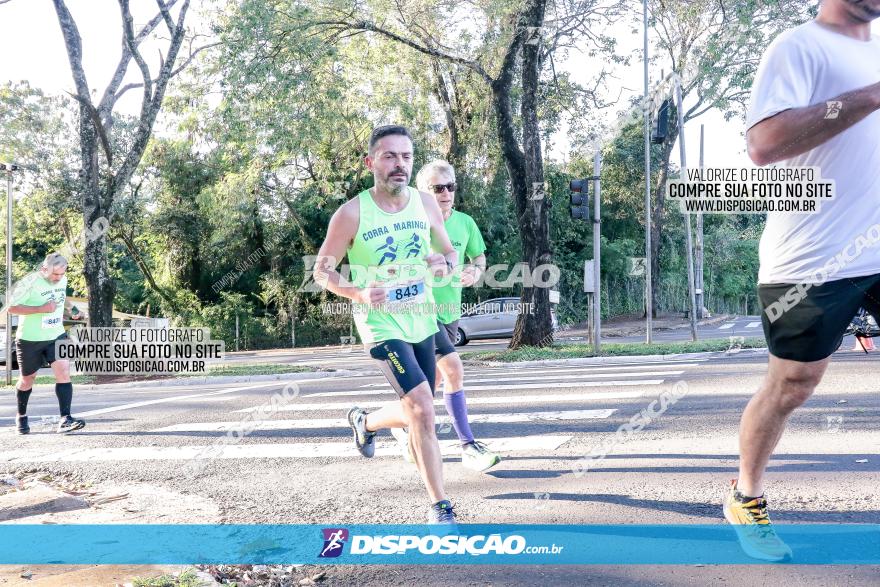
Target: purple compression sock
[{"x": 456, "y": 406}]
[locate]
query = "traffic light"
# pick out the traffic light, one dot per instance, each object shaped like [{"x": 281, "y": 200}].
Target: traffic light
[
  {"x": 658, "y": 137},
  {"x": 580, "y": 198}
]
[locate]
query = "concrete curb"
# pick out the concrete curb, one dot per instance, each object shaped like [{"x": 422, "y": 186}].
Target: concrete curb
[
  {"x": 218, "y": 380},
  {"x": 622, "y": 359}
]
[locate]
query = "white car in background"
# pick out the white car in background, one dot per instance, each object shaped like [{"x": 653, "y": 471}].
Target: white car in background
[
  {"x": 493, "y": 318},
  {"x": 3, "y": 350}
]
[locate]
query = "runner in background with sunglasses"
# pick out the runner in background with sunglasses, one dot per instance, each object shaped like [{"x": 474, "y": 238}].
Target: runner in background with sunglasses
[{"x": 438, "y": 178}]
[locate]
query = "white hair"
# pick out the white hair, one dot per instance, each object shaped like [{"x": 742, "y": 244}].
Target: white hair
[
  {"x": 54, "y": 260},
  {"x": 429, "y": 169}
]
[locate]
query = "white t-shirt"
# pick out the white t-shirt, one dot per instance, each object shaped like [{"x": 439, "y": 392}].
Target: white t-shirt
[{"x": 804, "y": 66}]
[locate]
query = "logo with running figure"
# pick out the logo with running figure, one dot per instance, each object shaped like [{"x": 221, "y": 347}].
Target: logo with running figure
[
  {"x": 413, "y": 246},
  {"x": 389, "y": 251},
  {"x": 334, "y": 540}
]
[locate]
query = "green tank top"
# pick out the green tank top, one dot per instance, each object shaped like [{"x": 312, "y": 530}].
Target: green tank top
[
  {"x": 34, "y": 290},
  {"x": 390, "y": 249}
]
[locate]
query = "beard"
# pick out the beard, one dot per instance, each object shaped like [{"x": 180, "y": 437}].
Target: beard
[
  {"x": 863, "y": 11},
  {"x": 394, "y": 188}
]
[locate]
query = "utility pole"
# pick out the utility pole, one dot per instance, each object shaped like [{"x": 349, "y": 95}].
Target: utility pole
[
  {"x": 597, "y": 244},
  {"x": 9, "y": 169},
  {"x": 649, "y": 304},
  {"x": 698, "y": 247},
  {"x": 687, "y": 217}
]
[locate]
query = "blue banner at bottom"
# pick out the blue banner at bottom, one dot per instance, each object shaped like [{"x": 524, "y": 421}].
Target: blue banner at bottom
[{"x": 484, "y": 544}]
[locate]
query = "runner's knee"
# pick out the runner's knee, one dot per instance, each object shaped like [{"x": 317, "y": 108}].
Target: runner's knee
[
  {"x": 794, "y": 388},
  {"x": 61, "y": 367},
  {"x": 418, "y": 408}
]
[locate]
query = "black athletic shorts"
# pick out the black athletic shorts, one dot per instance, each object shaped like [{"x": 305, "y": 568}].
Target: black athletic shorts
[
  {"x": 444, "y": 340},
  {"x": 406, "y": 365},
  {"x": 807, "y": 323},
  {"x": 33, "y": 354}
]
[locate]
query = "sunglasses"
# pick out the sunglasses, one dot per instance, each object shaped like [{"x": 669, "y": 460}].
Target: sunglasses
[{"x": 438, "y": 189}]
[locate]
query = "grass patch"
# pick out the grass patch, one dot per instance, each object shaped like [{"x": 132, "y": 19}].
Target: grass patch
[
  {"x": 185, "y": 579},
  {"x": 50, "y": 380},
  {"x": 575, "y": 351}
]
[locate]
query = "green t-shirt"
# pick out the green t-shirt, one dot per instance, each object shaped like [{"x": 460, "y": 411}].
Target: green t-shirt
[
  {"x": 35, "y": 290},
  {"x": 390, "y": 249},
  {"x": 468, "y": 243}
]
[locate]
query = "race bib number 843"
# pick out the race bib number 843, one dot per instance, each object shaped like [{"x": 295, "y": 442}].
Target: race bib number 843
[
  {"x": 406, "y": 293},
  {"x": 51, "y": 321}
]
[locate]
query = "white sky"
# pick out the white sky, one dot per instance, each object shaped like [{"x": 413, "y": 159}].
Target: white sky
[{"x": 32, "y": 48}]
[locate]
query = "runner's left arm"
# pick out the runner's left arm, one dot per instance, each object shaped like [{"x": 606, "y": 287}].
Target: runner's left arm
[
  {"x": 439, "y": 238},
  {"x": 475, "y": 250}
]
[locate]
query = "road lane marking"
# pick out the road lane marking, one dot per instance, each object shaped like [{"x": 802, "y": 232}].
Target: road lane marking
[
  {"x": 502, "y": 387},
  {"x": 753, "y": 324},
  {"x": 726, "y": 326},
  {"x": 166, "y": 400},
  {"x": 299, "y": 450},
  {"x": 472, "y": 401},
  {"x": 317, "y": 423}
]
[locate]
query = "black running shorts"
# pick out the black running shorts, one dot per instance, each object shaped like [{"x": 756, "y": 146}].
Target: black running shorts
[
  {"x": 444, "y": 340},
  {"x": 807, "y": 323},
  {"x": 33, "y": 354},
  {"x": 406, "y": 365}
]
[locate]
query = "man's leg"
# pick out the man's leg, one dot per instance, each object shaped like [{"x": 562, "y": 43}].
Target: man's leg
[
  {"x": 452, "y": 371},
  {"x": 418, "y": 407},
  {"x": 801, "y": 337},
  {"x": 28, "y": 364},
  {"x": 398, "y": 362},
  {"x": 63, "y": 386},
  {"x": 390, "y": 416},
  {"x": 64, "y": 393},
  {"x": 474, "y": 455},
  {"x": 787, "y": 386},
  {"x": 22, "y": 396}
]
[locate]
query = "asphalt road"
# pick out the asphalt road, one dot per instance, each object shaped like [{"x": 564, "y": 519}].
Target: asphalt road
[{"x": 299, "y": 466}]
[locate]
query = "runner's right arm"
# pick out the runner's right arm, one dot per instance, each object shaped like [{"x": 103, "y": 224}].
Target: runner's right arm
[
  {"x": 795, "y": 131},
  {"x": 340, "y": 234},
  {"x": 21, "y": 293},
  {"x": 46, "y": 308}
]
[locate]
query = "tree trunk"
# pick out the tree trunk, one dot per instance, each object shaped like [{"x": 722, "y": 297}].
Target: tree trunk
[
  {"x": 97, "y": 199},
  {"x": 457, "y": 118},
  {"x": 100, "y": 285},
  {"x": 532, "y": 328}
]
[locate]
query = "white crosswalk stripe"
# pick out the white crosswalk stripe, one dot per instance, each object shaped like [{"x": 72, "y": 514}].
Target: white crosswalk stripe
[
  {"x": 727, "y": 326},
  {"x": 267, "y": 451},
  {"x": 753, "y": 324},
  {"x": 468, "y": 387},
  {"x": 472, "y": 401},
  {"x": 317, "y": 423}
]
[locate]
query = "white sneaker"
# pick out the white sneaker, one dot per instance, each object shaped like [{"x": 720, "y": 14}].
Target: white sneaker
[
  {"x": 401, "y": 435},
  {"x": 477, "y": 456}
]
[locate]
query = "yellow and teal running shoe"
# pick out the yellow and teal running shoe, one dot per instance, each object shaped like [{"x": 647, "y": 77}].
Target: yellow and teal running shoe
[{"x": 750, "y": 519}]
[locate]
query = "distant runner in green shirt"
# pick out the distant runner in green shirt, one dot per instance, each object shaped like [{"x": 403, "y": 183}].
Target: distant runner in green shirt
[
  {"x": 394, "y": 238},
  {"x": 438, "y": 178},
  {"x": 39, "y": 300}
]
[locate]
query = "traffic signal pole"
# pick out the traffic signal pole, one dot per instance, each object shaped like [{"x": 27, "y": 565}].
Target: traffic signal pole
[
  {"x": 687, "y": 217},
  {"x": 9, "y": 169},
  {"x": 597, "y": 246},
  {"x": 580, "y": 210}
]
